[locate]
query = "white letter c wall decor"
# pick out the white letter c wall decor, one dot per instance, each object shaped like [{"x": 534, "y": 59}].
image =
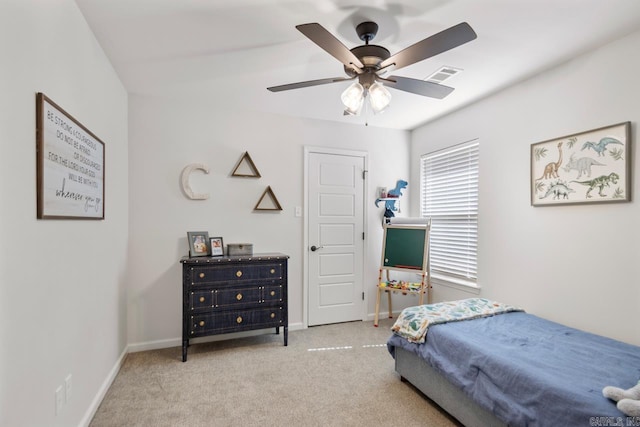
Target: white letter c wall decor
[{"x": 186, "y": 172}]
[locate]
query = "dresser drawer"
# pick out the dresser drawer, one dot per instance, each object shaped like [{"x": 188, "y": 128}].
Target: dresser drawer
[
  {"x": 231, "y": 296},
  {"x": 235, "y": 296},
  {"x": 234, "y": 273},
  {"x": 272, "y": 294},
  {"x": 234, "y": 320},
  {"x": 201, "y": 299}
]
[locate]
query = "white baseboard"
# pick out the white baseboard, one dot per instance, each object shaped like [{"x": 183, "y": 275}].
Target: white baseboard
[
  {"x": 97, "y": 400},
  {"x": 177, "y": 342},
  {"x": 384, "y": 314},
  {"x": 155, "y": 345}
]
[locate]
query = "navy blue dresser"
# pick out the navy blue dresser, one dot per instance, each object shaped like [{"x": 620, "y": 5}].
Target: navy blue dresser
[{"x": 232, "y": 294}]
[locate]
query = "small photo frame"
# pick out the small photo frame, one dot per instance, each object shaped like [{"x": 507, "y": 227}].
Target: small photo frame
[
  {"x": 198, "y": 243},
  {"x": 216, "y": 245}
]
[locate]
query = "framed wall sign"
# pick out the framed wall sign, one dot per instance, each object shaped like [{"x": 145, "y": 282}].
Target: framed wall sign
[
  {"x": 588, "y": 167},
  {"x": 69, "y": 165}
]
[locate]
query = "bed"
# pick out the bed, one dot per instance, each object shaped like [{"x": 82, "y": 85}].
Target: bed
[{"x": 514, "y": 368}]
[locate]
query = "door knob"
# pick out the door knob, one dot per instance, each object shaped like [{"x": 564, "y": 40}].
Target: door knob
[{"x": 315, "y": 248}]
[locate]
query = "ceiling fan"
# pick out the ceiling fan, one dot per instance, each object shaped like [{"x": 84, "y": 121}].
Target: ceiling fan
[{"x": 369, "y": 62}]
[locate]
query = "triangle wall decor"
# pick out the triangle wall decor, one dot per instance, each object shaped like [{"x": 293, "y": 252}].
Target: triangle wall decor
[
  {"x": 271, "y": 204},
  {"x": 246, "y": 168}
]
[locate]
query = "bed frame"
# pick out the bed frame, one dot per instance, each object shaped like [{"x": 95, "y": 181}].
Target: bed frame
[{"x": 437, "y": 388}]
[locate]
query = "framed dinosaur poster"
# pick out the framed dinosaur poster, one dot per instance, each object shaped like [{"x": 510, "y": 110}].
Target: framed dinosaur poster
[{"x": 588, "y": 167}]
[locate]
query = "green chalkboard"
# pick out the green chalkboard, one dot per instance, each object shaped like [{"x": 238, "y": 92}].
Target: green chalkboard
[{"x": 405, "y": 247}]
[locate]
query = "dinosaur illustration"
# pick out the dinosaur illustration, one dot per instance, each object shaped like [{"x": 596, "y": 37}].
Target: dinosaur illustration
[
  {"x": 582, "y": 165},
  {"x": 600, "y": 182},
  {"x": 601, "y": 146},
  {"x": 551, "y": 169},
  {"x": 395, "y": 193},
  {"x": 558, "y": 189}
]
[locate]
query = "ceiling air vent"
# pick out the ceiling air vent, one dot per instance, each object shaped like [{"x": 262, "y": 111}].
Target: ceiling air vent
[{"x": 444, "y": 73}]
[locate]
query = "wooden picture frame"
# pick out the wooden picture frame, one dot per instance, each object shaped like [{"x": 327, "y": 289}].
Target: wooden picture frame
[
  {"x": 198, "y": 243},
  {"x": 587, "y": 167},
  {"x": 70, "y": 165},
  {"x": 216, "y": 246}
]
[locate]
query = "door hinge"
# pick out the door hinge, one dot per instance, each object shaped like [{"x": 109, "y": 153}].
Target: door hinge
[
  {"x": 363, "y": 296},
  {"x": 363, "y": 235},
  {"x": 364, "y": 174}
]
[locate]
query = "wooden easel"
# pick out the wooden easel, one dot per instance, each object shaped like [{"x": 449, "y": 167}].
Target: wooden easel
[{"x": 405, "y": 249}]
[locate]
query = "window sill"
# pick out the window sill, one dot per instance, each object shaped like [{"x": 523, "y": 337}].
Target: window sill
[{"x": 459, "y": 284}]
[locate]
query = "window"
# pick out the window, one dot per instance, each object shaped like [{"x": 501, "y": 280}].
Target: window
[{"x": 449, "y": 196}]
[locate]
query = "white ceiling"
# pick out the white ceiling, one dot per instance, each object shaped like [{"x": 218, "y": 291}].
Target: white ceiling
[{"x": 230, "y": 51}]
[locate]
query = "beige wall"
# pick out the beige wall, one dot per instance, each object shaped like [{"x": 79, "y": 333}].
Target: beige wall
[{"x": 62, "y": 288}]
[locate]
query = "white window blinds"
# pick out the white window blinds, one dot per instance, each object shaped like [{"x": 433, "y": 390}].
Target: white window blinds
[{"x": 449, "y": 196}]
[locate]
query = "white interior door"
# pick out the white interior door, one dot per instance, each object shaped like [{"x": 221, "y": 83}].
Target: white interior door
[{"x": 335, "y": 236}]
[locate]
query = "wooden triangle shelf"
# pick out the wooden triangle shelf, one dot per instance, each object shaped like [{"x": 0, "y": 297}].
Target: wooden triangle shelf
[
  {"x": 246, "y": 163},
  {"x": 264, "y": 205}
]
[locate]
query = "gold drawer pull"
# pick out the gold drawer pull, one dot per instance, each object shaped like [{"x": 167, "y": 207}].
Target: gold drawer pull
[
  {"x": 239, "y": 297},
  {"x": 239, "y": 319},
  {"x": 273, "y": 315},
  {"x": 201, "y": 323},
  {"x": 273, "y": 270},
  {"x": 201, "y": 299},
  {"x": 273, "y": 293},
  {"x": 201, "y": 275},
  {"x": 238, "y": 273}
]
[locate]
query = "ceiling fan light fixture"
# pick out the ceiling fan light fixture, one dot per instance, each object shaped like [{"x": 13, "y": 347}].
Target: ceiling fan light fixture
[
  {"x": 353, "y": 98},
  {"x": 379, "y": 97}
]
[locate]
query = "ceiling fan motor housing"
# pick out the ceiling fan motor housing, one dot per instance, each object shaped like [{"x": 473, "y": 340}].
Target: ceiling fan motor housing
[{"x": 370, "y": 55}]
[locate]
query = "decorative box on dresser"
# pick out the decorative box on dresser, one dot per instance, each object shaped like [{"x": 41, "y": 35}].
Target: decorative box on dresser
[{"x": 232, "y": 294}]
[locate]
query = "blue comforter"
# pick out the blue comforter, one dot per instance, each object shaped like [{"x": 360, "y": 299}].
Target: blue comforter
[{"x": 529, "y": 371}]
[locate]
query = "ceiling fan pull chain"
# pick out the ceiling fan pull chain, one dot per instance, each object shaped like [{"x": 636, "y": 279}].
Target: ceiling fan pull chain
[{"x": 366, "y": 114}]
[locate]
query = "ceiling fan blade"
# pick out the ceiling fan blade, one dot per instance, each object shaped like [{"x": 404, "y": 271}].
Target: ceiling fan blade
[
  {"x": 323, "y": 38},
  {"x": 431, "y": 46},
  {"x": 419, "y": 87},
  {"x": 308, "y": 83}
]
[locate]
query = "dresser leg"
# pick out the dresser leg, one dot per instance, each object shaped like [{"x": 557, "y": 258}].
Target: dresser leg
[
  {"x": 277, "y": 330},
  {"x": 185, "y": 344},
  {"x": 286, "y": 330}
]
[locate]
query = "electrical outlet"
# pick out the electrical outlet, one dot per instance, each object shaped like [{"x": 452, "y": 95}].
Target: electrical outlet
[
  {"x": 298, "y": 212},
  {"x": 67, "y": 388},
  {"x": 59, "y": 399}
]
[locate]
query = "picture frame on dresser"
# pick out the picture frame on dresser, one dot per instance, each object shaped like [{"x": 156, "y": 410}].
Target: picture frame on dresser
[
  {"x": 216, "y": 246},
  {"x": 198, "y": 243}
]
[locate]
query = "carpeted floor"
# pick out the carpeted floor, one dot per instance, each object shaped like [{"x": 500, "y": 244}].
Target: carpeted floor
[{"x": 332, "y": 375}]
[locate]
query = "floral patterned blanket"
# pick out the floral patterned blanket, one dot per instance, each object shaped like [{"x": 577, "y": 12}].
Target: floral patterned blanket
[{"x": 414, "y": 322}]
